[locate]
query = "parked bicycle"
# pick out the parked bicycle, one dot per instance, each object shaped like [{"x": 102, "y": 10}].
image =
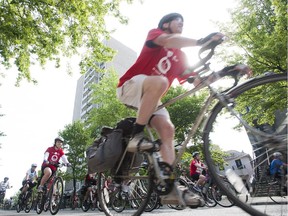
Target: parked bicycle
[
  {"x": 251, "y": 105},
  {"x": 25, "y": 201},
  {"x": 52, "y": 195}
]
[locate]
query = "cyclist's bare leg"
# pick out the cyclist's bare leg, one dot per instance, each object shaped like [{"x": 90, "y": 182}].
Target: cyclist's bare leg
[
  {"x": 46, "y": 176},
  {"x": 165, "y": 130},
  {"x": 89, "y": 189},
  {"x": 153, "y": 89},
  {"x": 25, "y": 188},
  {"x": 201, "y": 180}
]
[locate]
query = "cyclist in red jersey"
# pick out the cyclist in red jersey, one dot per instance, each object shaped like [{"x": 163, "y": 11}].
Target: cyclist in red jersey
[
  {"x": 160, "y": 62},
  {"x": 52, "y": 156}
]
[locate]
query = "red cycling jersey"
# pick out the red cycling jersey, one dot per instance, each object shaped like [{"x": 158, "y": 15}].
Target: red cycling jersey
[
  {"x": 158, "y": 60},
  {"x": 54, "y": 155}
]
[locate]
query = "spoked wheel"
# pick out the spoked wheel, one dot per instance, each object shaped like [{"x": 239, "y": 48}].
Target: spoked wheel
[
  {"x": 262, "y": 104},
  {"x": 208, "y": 198},
  {"x": 131, "y": 196},
  {"x": 153, "y": 203},
  {"x": 118, "y": 201},
  {"x": 56, "y": 195},
  {"x": 39, "y": 203},
  {"x": 220, "y": 197},
  {"x": 19, "y": 205},
  {"x": 85, "y": 205},
  {"x": 29, "y": 202}
]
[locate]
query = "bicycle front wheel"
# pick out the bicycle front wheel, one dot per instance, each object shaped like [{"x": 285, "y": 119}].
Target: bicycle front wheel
[
  {"x": 29, "y": 202},
  {"x": 56, "y": 196},
  {"x": 240, "y": 136}
]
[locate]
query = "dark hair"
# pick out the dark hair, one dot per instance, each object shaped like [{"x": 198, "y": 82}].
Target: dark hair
[{"x": 168, "y": 18}]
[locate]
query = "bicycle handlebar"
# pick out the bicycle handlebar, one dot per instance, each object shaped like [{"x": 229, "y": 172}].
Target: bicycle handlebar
[{"x": 211, "y": 46}]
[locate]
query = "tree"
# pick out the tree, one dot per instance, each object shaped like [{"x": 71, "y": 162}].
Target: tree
[
  {"x": 76, "y": 138},
  {"x": 37, "y": 31},
  {"x": 259, "y": 28},
  {"x": 109, "y": 109}
]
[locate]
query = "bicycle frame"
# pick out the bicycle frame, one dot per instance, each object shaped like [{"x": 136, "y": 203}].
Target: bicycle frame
[{"x": 214, "y": 95}]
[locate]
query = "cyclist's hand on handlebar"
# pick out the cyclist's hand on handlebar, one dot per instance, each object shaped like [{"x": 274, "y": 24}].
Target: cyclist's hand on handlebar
[{"x": 211, "y": 40}]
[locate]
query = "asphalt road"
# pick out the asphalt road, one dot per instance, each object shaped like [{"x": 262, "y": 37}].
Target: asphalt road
[{"x": 163, "y": 211}]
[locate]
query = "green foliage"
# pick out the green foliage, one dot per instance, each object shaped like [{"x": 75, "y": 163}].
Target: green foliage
[
  {"x": 259, "y": 28},
  {"x": 109, "y": 109},
  {"x": 37, "y": 31},
  {"x": 76, "y": 138}
]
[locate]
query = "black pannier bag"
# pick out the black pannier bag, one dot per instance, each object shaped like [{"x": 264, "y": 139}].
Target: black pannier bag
[{"x": 105, "y": 152}]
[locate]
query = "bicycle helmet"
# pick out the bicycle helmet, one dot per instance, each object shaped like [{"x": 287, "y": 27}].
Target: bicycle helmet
[
  {"x": 34, "y": 165},
  {"x": 194, "y": 154},
  {"x": 58, "y": 139},
  {"x": 168, "y": 18},
  {"x": 277, "y": 154},
  {"x": 6, "y": 178}
]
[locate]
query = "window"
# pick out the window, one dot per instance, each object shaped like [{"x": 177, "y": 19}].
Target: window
[{"x": 239, "y": 164}]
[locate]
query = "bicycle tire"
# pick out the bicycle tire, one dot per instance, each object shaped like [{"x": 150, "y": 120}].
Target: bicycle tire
[
  {"x": 209, "y": 200},
  {"x": 85, "y": 206},
  {"x": 277, "y": 192},
  {"x": 29, "y": 202},
  {"x": 141, "y": 191},
  {"x": 39, "y": 203},
  {"x": 220, "y": 197},
  {"x": 18, "y": 206},
  {"x": 56, "y": 195},
  {"x": 153, "y": 202},
  {"x": 255, "y": 99}
]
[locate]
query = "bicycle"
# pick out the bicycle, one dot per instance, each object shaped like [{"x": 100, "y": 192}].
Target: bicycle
[
  {"x": 205, "y": 193},
  {"x": 25, "y": 201},
  {"x": 91, "y": 202},
  {"x": 52, "y": 195},
  {"x": 244, "y": 106}
]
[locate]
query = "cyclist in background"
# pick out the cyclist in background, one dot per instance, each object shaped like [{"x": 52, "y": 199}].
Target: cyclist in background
[
  {"x": 30, "y": 179},
  {"x": 277, "y": 166},
  {"x": 160, "y": 62},
  {"x": 90, "y": 180},
  {"x": 52, "y": 156},
  {"x": 4, "y": 185},
  {"x": 196, "y": 171}
]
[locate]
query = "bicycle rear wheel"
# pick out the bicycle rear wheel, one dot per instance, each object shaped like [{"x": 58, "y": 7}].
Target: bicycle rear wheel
[
  {"x": 262, "y": 103},
  {"x": 56, "y": 195},
  {"x": 131, "y": 195}
]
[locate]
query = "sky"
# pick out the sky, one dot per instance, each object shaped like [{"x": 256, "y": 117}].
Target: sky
[{"x": 34, "y": 114}]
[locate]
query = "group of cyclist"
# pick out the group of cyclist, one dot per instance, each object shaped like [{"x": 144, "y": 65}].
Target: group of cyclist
[{"x": 160, "y": 62}]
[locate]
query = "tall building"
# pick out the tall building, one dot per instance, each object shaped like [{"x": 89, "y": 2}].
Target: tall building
[{"x": 124, "y": 58}]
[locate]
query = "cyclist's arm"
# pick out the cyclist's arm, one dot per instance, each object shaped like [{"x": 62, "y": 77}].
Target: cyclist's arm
[
  {"x": 174, "y": 41},
  {"x": 46, "y": 156},
  {"x": 26, "y": 176},
  {"x": 64, "y": 159}
]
